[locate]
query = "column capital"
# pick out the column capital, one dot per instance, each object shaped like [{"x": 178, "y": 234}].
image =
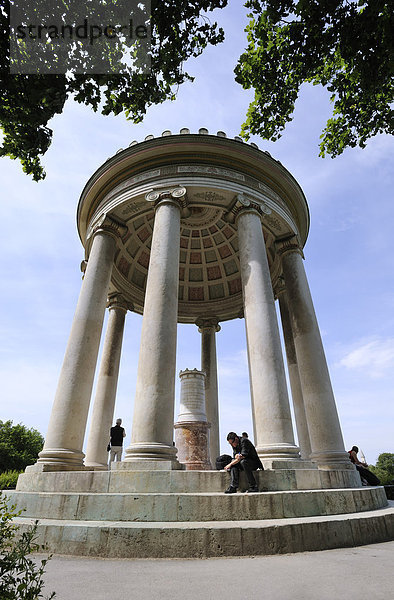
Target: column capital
[
  {"x": 116, "y": 300},
  {"x": 245, "y": 202},
  {"x": 208, "y": 323},
  {"x": 109, "y": 225},
  {"x": 175, "y": 195},
  {"x": 289, "y": 244}
]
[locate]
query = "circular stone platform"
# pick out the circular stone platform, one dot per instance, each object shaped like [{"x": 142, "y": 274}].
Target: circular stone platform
[{"x": 170, "y": 514}]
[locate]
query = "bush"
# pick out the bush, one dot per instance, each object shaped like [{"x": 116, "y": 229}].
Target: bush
[
  {"x": 8, "y": 480},
  {"x": 384, "y": 468},
  {"x": 19, "y": 446},
  {"x": 20, "y": 577}
]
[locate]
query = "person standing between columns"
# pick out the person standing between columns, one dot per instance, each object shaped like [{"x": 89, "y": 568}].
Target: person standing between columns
[
  {"x": 273, "y": 430},
  {"x": 325, "y": 433},
  {"x": 117, "y": 433},
  {"x": 66, "y": 430}
]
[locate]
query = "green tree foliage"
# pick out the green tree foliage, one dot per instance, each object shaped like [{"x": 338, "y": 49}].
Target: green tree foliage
[
  {"x": 343, "y": 45},
  {"x": 384, "y": 468},
  {"x": 9, "y": 479},
  {"x": 21, "y": 578},
  {"x": 19, "y": 446},
  {"x": 346, "y": 46},
  {"x": 179, "y": 30}
]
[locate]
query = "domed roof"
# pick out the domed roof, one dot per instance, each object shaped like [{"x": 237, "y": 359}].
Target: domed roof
[{"x": 215, "y": 170}]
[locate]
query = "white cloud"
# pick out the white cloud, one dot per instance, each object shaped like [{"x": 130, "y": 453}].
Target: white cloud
[
  {"x": 234, "y": 365},
  {"x": 28, "y": 388},
  {"x": 375, "y": 357}
]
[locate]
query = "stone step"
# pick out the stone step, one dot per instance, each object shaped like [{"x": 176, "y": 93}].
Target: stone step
[
  {"x": 178, "y": 481},
  {"x": 177, "y": 507},
  {"x": 109, "y": 539}
]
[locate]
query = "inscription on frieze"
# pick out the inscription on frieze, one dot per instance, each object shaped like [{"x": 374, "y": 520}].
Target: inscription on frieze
[
  {"x": 210, "y": 171},
  {"x": 168, "y": 170},
  {"x": 210, "y": 196},
  {"x": 143, "y": 176}
]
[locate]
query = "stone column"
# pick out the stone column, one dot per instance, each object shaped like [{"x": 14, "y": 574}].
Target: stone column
[
  {"x": 104, "y": 403},
  {"x": 153, "y": 422},
  {"x": 63, "y": 444},
  {"x": 323, "y": 423},
  {"x": 270, "y": 403},
  {"x": 208, "y": 327},
  {"x": 294, "y": 376},
  {"x": 192, "y": 427}
]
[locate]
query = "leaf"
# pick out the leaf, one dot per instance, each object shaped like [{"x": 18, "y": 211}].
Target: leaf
[{"x": 335, "y": 44}]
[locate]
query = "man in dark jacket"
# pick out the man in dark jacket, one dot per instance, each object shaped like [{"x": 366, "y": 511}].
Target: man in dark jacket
[
  {"x": 245, "y": 458},
  {"x": 117, "y": 433}
]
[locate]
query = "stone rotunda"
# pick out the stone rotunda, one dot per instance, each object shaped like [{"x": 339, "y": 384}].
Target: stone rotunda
[{"x": 197, "y": 229}]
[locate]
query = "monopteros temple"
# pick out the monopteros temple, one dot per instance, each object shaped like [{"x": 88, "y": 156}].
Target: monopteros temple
[{"x": 198, "y": 229}]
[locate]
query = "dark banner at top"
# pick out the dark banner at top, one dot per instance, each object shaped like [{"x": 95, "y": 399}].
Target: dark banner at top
[{"x": 88, "y": 36}]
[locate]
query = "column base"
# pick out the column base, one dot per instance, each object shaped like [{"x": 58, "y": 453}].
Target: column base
[
  {"x": 153, "y": 453},
  {"x": 46, "y": 467},
  {"x": 59, "y": 459},
  {"x": 332, "y": 461},
  {"x": 278, "y": 452}
]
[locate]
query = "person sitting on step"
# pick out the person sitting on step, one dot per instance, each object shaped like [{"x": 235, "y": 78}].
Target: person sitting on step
[
  {"x": 367, "y": 477},
  {"x": 245, "y": 459}
]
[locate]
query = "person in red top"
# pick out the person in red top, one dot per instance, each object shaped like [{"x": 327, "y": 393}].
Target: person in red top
[
  {"x": 367, "y": 477},
  {"x": 354, "y": 458}
]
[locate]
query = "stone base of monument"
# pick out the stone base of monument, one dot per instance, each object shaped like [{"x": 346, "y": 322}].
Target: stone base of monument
[{"x": 165, "y": 514}]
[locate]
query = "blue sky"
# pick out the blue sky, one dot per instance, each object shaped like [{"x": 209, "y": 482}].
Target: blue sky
[{"x": 349, "y": 255}]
